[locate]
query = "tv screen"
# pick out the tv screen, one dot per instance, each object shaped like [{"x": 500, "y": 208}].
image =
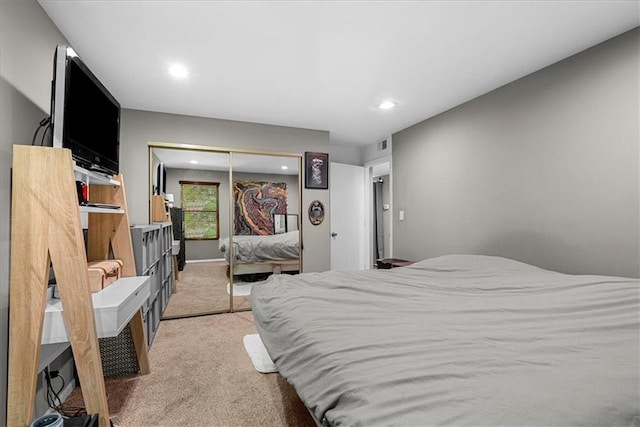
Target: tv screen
[{"x": 85, "y": 116}]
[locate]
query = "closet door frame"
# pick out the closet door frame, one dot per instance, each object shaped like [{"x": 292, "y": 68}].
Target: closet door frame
[{"x": 229, "y": 151}]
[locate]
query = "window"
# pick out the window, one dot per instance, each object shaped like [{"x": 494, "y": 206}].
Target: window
[{"x": 199, "y": 201}]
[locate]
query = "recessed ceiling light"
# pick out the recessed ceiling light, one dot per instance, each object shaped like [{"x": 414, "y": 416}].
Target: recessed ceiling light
[
  {"x": 193, "y": 162},
  {"x": 178, "y": 71},
  {"x": 386, "y": 105},
  {"x": 284, "y": 168}
]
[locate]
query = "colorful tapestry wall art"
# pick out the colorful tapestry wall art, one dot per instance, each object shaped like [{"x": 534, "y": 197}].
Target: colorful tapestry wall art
[{"x": 254, "y": 206}]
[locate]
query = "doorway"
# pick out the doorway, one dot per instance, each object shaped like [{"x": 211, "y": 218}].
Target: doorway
[{"x": 379, "y": 210}]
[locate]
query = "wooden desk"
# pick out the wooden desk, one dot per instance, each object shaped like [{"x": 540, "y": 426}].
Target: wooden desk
[{"x": 387, "y": 263}]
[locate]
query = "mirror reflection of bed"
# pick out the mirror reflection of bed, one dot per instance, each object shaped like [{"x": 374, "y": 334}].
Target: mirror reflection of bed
[
  {"x": 265, "y": 220},
  {"x": 259, "y": 197}
]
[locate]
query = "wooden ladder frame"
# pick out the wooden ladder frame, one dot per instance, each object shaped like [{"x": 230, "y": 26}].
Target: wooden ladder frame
[{"x": 46, "y": 228}]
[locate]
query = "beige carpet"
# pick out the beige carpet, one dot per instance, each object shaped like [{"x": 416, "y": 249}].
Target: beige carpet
[
  {"x": 202, "y": 288},
  {"x": 202, "y": 376}
]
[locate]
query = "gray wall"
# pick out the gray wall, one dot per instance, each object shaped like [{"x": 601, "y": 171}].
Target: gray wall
[
  {"x": 543, "y": 170},
  {"x": 18, "y": 120},
  {"x": 374, "y": 151},
  {"x": 346, "y": 154},
  {"x": 208, "y": 249},
  {"x": 27, "y": 43},
  {"x": 27, "y": 46},
  {"x": 140, "y": 127}
]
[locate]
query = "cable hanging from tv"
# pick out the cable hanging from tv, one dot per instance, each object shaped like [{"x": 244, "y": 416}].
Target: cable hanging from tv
[{"x": 44, "y": 123}]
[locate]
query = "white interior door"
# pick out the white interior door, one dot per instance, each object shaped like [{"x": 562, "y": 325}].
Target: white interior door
[{"x": 347, "y": 217}]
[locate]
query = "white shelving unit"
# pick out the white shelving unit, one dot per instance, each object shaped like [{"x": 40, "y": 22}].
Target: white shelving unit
[
  {"x": 91, "y": 177},
  {"x": 91, "y": 209},
  {"x": 113, "y": 308}
]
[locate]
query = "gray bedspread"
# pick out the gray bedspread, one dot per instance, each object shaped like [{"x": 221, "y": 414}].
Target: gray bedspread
[
  {"x": 456, "y": 340},
  {"x": 263, "y": 248}
]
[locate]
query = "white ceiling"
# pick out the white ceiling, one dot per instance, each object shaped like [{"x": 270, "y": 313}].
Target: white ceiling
[{"x": 326, "y": 64}]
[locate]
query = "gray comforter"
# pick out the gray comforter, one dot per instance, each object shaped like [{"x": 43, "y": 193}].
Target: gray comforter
[
  {"x": 263, "y": 248},
  {"x": 456, "y": 340}
]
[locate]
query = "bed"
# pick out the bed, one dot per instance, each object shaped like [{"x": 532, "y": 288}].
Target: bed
[
  {"x": 274, "y": 253},
  {"x": 456, "y": 340}
]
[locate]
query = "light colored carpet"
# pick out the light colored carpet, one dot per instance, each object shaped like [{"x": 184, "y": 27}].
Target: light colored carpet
[
  {"x": 202, "y": 288},
  {"x": 202, "y": 376}
]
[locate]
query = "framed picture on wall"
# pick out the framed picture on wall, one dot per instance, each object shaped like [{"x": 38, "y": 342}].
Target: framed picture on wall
[{"x": 316, "y": 170}]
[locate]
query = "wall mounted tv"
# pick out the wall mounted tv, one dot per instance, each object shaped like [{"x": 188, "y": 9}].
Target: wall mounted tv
[{"x": 85, "y": 116}]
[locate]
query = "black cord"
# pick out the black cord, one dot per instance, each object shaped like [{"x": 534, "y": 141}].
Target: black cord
[
  {"x": 44, "y": 134},
  {"x": 44, "y": 122},
  {"x": 53, "y": 396},
  {"x": 51, "y": 393},
  {"x": 55, "y": 402},
  {"x": 35, "y": 134}
]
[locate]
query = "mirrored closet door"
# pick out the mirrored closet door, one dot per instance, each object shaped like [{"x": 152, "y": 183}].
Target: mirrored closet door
[
  {"x": 266, "y": 218},
  {"x": 235, "y": 214},
  {"x": 196, "y": 185}
]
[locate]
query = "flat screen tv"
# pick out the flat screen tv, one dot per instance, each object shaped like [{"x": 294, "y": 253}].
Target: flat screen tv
[{"x": 85, "y": 116}]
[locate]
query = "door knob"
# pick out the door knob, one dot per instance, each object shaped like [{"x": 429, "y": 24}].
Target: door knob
[{"x": 334, "y": 234}]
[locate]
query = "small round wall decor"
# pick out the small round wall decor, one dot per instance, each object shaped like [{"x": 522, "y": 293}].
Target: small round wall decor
[{"x": 316, "y": 212}]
